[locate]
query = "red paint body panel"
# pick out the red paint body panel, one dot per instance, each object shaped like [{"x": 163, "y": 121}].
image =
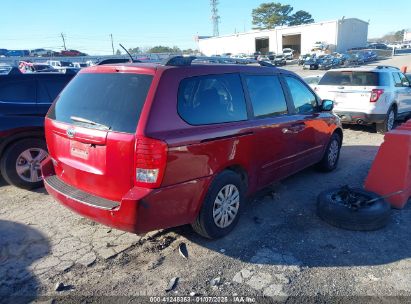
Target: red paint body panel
[
  {"x": 103, "y": 163},
  {"x": 141, "y": 210}
]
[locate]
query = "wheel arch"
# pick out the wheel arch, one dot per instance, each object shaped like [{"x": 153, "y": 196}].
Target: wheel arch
[{"x": 19, "y": 136}]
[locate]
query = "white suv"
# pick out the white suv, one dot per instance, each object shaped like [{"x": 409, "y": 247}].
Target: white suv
[{"x": 368, "y": 95}]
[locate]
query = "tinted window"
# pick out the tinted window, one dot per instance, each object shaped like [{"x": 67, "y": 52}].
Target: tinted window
[
  {"x": 304, "y": 100},
  {"x": 349, "y": 78},
  {"x": 211, "y": 99},
  {"x": 50, "y": 88},
  {"x": 267, "y": 96},
  {"x": 18, "y": 91},
  {"x": 113, "y": 100}
]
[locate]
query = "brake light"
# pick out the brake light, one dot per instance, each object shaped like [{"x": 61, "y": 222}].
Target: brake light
[
  {"x": 376, "y": 94},
  {"x": 151, "y": 159}
]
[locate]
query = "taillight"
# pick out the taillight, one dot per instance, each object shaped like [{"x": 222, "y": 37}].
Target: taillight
[
  {"x": 376, "y": 94},
  {"x": 151, "y": 159}
]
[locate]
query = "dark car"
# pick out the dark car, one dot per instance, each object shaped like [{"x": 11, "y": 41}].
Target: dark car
[
  {"x": 141, "y": 147},
  {"x": 369, "y": 56},
  {"x": 271, "y": 55},
  {"x": 311, "y": 63},
  {"x": 280, "y": 60},
  {"x": 329, "y": 63},
  {"x": 24, "y": 101}
]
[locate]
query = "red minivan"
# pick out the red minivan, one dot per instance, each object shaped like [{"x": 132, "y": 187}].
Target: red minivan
[{"x": 141, "y": 147}]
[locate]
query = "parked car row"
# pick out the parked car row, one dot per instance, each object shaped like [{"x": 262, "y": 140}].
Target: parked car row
[
  {"x": 336, "y": 60},
  {"x": 40, "y": 53}
]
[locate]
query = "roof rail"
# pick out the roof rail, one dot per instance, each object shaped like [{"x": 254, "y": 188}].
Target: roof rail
[
  {"x": 178, "y": 61},
  {"x": 380, "y": 67},
  {"x": 188, "y": 61}
]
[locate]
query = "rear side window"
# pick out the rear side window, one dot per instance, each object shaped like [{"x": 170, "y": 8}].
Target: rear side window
[
  {"x": 267, "y": 96},
  {"x": 350, "y": 78},
  {"x": 19, "y": 91},
  {"x": 113, "y": 100},
  {"x": 211, "y": 99}
]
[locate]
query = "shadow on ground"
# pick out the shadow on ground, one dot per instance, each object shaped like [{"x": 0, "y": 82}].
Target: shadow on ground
[
  {"x": 20, "y": 247},
  {"x": 281, "y": 226}
]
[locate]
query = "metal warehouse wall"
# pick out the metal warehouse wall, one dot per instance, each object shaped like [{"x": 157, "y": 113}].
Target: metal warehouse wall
[
  {"x": 351, "y": 33},
  {"x": 339, "y": 34}
]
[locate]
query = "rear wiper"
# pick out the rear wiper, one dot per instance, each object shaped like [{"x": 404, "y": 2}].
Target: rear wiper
[{"x": 90, "y": 122}]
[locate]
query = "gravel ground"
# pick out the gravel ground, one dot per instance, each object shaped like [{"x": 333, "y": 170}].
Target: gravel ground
[{"x": 279, "y": 249}]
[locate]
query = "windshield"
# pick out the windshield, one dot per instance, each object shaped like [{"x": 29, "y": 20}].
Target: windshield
[
  {"x": 108, "y": 101},
  {"x": 351, "y": 78}
]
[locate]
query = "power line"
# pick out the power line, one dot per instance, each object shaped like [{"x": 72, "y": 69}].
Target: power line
[
  {"x": 64, "y": 41},
  {"x": 112, "y": 44},
  {"x": 215, "y": 17}
]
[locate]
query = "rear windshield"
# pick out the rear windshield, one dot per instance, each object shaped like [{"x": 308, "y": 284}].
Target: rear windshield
[
  {"x": 350, "y": 78},
  {"x": 109, "y": 101}
]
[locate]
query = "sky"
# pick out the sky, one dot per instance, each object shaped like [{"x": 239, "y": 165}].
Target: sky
[{"x": 87, "y": 24}]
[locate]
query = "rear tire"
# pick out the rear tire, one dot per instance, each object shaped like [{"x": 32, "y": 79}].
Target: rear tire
[
  {"x": 389, "y": 122},
  {"x": 218, "y": 201},
  {"x": 20, "y": 164}
]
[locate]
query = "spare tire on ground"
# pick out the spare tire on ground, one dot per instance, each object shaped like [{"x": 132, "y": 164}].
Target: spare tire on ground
[{"x": 353, "y": 209}]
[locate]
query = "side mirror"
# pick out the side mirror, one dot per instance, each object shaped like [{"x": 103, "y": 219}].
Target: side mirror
[{"x": 327, "y": 105}]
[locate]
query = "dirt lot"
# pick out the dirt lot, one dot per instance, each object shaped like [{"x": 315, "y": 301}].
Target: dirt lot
[{"x": 280, "y": 247}]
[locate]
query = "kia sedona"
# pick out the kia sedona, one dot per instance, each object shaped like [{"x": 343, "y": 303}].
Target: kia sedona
[{"x": 141, "y": 147}]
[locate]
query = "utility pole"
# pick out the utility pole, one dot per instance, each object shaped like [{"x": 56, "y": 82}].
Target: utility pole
[
  {"x": 112, "y": 44},
  {"x": 64, "y": 41},
  {"x": 215, "y": 17}
]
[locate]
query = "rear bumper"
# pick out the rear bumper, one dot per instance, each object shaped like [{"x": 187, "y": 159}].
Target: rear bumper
[
  {"x": 140, "y": 210},
  {"x": 359, "y": 117}
]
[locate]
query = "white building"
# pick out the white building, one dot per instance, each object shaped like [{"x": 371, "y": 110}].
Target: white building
[
  {"x": 407, "y": 35},
  {"x": 340, "y": 35}
]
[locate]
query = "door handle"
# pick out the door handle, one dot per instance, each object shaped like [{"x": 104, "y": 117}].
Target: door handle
[{"x": 294, "y": 129}]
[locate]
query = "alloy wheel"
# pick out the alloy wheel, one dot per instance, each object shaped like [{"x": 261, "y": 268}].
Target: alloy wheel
[{"x": 28, "y": 164}]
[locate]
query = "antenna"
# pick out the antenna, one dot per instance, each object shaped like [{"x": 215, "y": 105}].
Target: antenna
[
  {"x": 215, "y": 17},
  {"x": 131, "y": 57}
]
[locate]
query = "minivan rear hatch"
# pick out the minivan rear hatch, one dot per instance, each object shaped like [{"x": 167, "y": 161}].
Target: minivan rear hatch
[{"x": 90, "y": 130}]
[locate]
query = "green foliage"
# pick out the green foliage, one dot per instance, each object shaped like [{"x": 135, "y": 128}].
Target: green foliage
[
  {"x": 270, "y": 15},
  {"x": 135, "y": 50},
  {"x": 118, "y": 52},
  {"x": 300, "y": 17},
  {"x": 164, "y": 49}
]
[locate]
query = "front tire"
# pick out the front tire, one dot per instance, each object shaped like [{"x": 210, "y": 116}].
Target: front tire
[
  {"x": 222, "y": 206},
  {"x": 332, "y": 154},
  {"x": 20, "y": 164},
  {"x": 389, "y": 122}
]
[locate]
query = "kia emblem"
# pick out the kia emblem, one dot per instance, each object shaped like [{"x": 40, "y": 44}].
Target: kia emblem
[{"x": 71, "y": 132}]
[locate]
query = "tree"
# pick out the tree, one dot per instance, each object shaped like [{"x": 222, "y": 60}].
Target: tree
[
  {"x": 118, "y": 52},
  {"x": 270, "y": 15},
  {"x": 300, "y": 17},
  {"x": 164, "y": 49},
  {"x": 393, "y": 36},
  {"x": 135, "y": 50}
]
